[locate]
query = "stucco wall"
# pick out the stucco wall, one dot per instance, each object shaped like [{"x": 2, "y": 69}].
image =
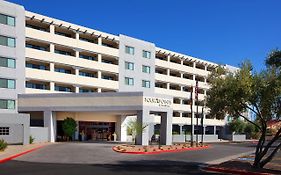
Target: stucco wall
[
  {"x": 17, "y": 53},
  {"x": 138, "y": 61},
  {"x": 40, "y": 134}
]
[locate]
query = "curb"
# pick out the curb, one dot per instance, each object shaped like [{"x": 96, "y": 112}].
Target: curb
[
  {"x": 20, "y": 154},
  {"x": 233, "y": 171},
  {"x": 164, "y": 151}
]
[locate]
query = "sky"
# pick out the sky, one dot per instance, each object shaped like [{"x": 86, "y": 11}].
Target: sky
[{"x": 221, "y": 31}]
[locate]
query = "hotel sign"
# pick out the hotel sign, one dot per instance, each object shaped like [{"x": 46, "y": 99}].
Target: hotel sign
[{"x": 155, "y": 101}]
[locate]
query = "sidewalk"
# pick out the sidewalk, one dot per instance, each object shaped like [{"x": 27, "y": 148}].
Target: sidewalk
[{"x": 13, "y": 150}]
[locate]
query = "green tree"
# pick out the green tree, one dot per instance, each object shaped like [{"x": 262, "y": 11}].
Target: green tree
[
  {"x": 69, "y": 127},
  {"x": 237, "y": 126},
  {"x": 135, "y": 128},
  {"x": 235, "y": 93}
]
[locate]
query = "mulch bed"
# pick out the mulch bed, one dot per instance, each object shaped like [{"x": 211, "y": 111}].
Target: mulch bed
[
  {"x": 155, "y": 149},
  {"x": 243, "y": 166}
]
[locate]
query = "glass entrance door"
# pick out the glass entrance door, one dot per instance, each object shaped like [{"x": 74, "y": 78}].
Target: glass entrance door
[{"x": 97, "y": 131}]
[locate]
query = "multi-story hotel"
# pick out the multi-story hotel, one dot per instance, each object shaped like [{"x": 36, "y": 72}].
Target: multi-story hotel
[{"x": 101, "y": 79}]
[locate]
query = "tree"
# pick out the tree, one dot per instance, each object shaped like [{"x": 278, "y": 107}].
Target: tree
[
  {"x": 235, "y": 93},
  {"x": 135, "y": 128},
  {"x": 237, "y": 126},
  {"x": 69, "y": 127}
]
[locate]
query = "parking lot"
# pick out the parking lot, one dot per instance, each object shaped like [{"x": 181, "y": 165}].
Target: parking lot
[{"x": 86, "y": 158}]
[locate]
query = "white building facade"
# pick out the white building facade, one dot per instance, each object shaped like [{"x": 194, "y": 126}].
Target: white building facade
[{"x": 65, "y": 58}]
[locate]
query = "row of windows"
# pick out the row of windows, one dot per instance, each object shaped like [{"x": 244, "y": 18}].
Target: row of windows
[
  {"x": 36, "y": 47},
  {"x": 131, "y": 50},
  {"x": 7, "y": 104},
  {"x": 130, "y": 81},
  {"x": 7, "y": 20},
  {"x": 7, "y": 41},
  {"x": 35, "y": 85},
  {"x": 7, "y": 83},
  {"x": 131, "y": 66},
  {"x": 4, "y": 131},
  {"x": 35, "y": 66},
  {"x": 7, "y": 62}
]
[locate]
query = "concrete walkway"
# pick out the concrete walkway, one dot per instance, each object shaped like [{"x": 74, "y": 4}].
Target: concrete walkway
[{"x": 17, "y": 149}]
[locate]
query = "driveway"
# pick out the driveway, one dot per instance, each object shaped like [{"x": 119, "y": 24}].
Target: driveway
[
  {"x": 98, "y": 158},
  {"x": 101, "y": 153}
]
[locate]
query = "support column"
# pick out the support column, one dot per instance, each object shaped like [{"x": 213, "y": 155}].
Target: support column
[
  {"x": 77, "y": 89},
  {"x": 99, "y": 89},
  {"x": 181, "y": 74},
  {"x": 52, "y": 67},
  {"x": 215, "y": 128},
  {"x": 77, "y": 36},
  {"x": 52, "y": 29},
  {"x": 99, "y": 58},
  {"x": 50, "y": 121},
  {"x": 52, "y": 86},
  {"x": 52, "y": 48},
  {"x": 143, "y": 117},
  {"x": 99, "y": 74},
  {"x": 121, "y": 129},
  {"x": 100, "y": 40},
  {"x": 168, "y": 58},
  {"x": 77, "y": 131},
  {"x": 166, "y": 128},
  {"x": 168, "y": 85},
  {"x": 181, "y": 131},
  {"x": 168, "y": 72}
]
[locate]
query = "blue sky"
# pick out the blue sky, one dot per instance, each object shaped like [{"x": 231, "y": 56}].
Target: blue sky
[{"x": 222, "y": 31}]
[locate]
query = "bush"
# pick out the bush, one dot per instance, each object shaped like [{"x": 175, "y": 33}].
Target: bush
[
  {"x": 69, "y": 127},
  {"x": 237, "y": 126},
  {"x": 3, "y": 145},
  {"x": 31, "y": 139}
]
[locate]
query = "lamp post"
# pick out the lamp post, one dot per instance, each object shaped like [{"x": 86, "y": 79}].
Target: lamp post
[
  {"x": 196, "y": 97},
  {"x": 202, "y": 122},
  {"x": 191, "y": 108}
]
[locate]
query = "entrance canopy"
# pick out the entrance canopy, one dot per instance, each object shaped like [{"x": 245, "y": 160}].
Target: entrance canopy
[{"x": 121, "y": 103}]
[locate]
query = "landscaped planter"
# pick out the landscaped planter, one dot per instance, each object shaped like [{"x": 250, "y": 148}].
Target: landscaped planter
[
  {"x": 236, "y": 137},
  {"x": 155, "y": 149}
]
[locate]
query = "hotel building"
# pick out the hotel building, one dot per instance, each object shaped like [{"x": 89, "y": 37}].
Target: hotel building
[{"x": 102, "y": 80}]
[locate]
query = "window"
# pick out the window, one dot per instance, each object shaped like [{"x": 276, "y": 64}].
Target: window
[
  {"x": 129, "y": 81},
  {"x": 7, "y": 41},
  {"x": 7, "y": 104},
  {"x": 62, "y": 70},
  {"x": 86, "y": 74},
  {"x": 36, "y": 66},
  {"x": 130, "y": 50},
  {"x": 129, "y": 65},
  {"x": 146, "y": 54},
  {"x": 87, "y": 57},
  {"x": 4, "y": 131},
  {"x": 145, "y": 83},
  {"x": 62, "y": 52},
  {"x": 62, "y": 88},
  {"x": 35, "y": 85},
  {"x": 7, "y": 83},
  {"x": 36, "y": 47},
  {"x": 146, "y": 69},
  {"x": 7, "y": 62},
  {"x": 86, "y": 90},
  {"x": 8, "y": 20}
]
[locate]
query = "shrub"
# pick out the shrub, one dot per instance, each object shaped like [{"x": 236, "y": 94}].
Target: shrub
[
  {"x": 31, "y": 139},
  {"x": 69, "y": 127},
  {"x": 237, "y": 126},
  {"x": 3, "y": 145}
]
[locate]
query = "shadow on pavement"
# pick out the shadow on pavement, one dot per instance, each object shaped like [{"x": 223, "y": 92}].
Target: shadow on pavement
[{"x": 141, "y": 167}]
